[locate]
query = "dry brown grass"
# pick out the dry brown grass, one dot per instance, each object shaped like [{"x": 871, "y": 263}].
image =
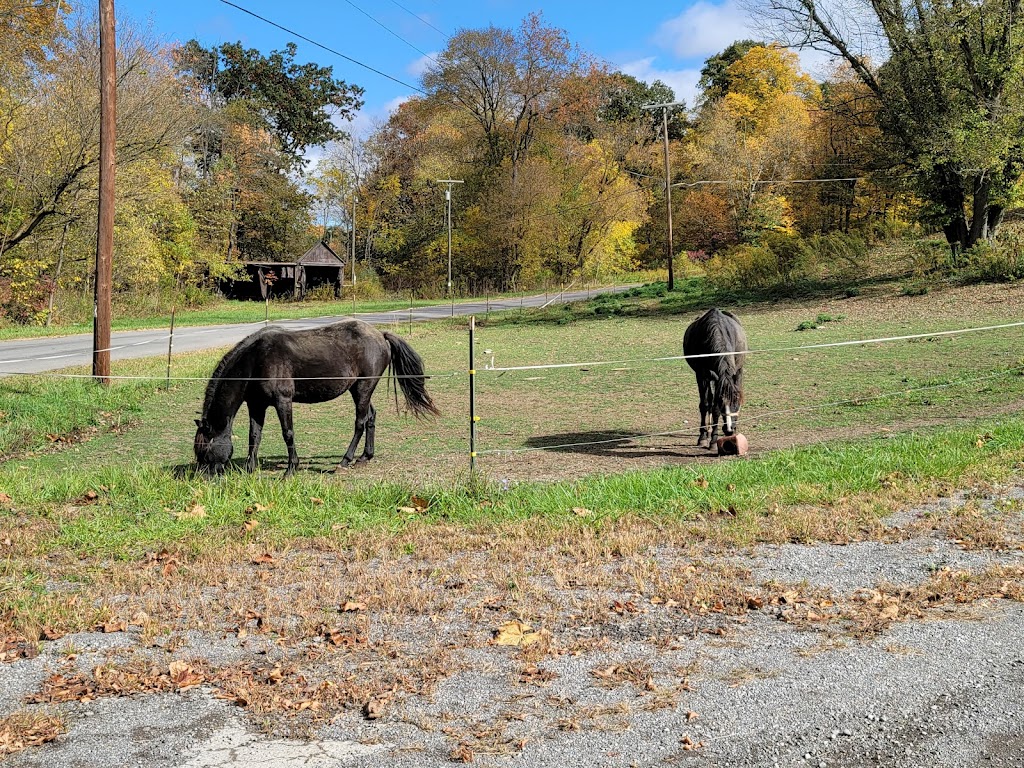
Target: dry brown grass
[
  {"x": 23, "y": 729},
  {"x": 362, "y": 621},
  {"x": 998, "y": 527}
]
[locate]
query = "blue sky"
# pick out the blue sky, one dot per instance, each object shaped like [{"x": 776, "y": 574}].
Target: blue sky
[{"x": 650, "y": 40}]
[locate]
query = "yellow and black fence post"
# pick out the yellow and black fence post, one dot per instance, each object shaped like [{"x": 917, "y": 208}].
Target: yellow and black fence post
[{"x": 473, "y": 418}]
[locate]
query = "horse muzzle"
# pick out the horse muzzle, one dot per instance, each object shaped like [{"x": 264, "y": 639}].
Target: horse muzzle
[{"x": 731, "y": 417}]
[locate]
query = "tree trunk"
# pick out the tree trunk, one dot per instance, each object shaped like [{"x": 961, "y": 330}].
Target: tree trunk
[
  {"x": 950, "y": 195},
  {"x": 982, "y": 188},
  {"x": 995, "y": 218}
]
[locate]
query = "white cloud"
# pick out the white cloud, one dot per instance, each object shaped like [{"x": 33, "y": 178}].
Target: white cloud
[
  {"x": 705, "y": 29},
  {"x": 682, "y": 81},
  {"x": 422, "y": 64}
]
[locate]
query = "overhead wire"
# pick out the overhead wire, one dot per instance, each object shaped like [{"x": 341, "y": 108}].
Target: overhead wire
[
  {"x": 390, "y": 31},
  {"x": 424, "y": 21},
  {"x": 311, "y": 41}
]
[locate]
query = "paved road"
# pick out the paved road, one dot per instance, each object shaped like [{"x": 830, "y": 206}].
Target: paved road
[{"x": 51, "y": 353}]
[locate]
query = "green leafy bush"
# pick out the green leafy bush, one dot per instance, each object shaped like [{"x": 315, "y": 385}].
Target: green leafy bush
[
  {"x": 998, "y": 260},
  {"x": 779, "y": 261}
]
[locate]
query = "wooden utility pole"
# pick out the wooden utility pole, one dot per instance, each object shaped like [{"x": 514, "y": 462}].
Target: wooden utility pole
[
  {"x": 354, "y": 201},
  {"x": 105, "y": 230},
  {"x": 668, "y": 186}
]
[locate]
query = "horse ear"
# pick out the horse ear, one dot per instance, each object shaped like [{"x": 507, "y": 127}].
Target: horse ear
[{"x": 199, "y": 423}]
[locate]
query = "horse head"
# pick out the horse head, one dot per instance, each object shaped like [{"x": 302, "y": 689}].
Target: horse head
[
  {"x": 730, "y": 400},
  {"x": 213, "y": 448}
]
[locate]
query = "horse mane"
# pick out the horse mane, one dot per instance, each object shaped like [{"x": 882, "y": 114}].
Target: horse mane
[
  {"x": 728, "y": 367},
  {"x": 224, "y": 369}
]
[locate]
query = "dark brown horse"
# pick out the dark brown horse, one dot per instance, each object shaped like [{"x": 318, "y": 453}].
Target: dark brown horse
[
  {"x": 720, "y": 338},
  {"x": 275, "y": 368}
]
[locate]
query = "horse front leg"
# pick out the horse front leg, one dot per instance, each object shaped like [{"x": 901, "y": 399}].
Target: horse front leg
[
  {"x": 284, "y": 414},
  {"x": 257, "y": 416},
  {"x": 715, "y": 406},
  {"x": 704, "y": 390}
]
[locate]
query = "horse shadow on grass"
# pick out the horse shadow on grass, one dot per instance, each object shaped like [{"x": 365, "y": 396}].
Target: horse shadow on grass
[
  {"x": 318, "y": 464},
  {"x": 621, "y": 444}
]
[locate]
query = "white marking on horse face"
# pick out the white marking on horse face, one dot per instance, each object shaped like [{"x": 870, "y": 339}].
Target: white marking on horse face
[{"x": 730, "y": 417}]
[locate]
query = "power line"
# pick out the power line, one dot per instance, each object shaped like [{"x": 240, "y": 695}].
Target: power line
[
  {"x": 265, "y": 20},
  {"x": 417, "y": 16},
  {"x": 388, "y": 29}
]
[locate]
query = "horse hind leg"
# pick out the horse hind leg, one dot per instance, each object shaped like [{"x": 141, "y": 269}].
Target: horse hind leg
[
  {"x": 284, "y": 414},
  {"x": 371, "y": 429},
  {"x": 365, "y": 423}
]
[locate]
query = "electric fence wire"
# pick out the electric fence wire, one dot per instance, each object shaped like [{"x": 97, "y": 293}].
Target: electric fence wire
[
  {"x": 763, "y": 416},
  {"x": 552, "y": 366}
]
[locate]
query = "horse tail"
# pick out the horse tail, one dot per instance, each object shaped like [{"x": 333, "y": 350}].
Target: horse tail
[{"x": 408, "y": 368}]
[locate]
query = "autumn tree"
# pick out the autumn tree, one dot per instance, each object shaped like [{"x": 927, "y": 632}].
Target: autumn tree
[
  {"x": 754, "y": 137},
  {"x": 259, "y": 115},
  {"x": 52, "y": 152},
  {"x": 506, "y": 80},
  {"x": 947, "y": 79}
]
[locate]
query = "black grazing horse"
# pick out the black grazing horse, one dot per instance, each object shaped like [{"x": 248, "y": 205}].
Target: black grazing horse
[
  {"x": 277, "y": 367},
  {"x": 719, "y": 376}
]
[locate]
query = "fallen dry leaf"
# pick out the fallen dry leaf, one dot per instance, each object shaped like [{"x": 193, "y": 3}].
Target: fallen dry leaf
[
  {"x": 184, "y": 676},
  {"x": 375, "y": 707},
  {"x": 582, "y": 511},
  {"x": 22, "y": 730},
  {"x": 195, "y": 512},
  {"x": 689, "y": 744},
  {"x": 265, "y": 559},
  {"x": 461, "y": 754},
  {"x": 516, "y": 633},
  {"x": 350, "y": 606},
  {"x": 250, "y": 525},
  {"x": 606, "y": 673}
]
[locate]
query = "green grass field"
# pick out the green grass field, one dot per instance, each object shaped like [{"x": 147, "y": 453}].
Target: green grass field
[{"x": 824, "y": 424}]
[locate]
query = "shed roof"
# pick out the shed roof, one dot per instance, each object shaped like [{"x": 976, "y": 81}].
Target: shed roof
[{"x": 321, "y": 253}]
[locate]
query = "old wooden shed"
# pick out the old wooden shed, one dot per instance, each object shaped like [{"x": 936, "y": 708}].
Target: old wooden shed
[{"x": 318, "y": 266}]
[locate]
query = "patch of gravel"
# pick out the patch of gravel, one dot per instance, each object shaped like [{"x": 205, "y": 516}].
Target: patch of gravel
[
  {"x": 862, "y": 565},
  {"x": 748, "y": 691},
  {"x": 157, "y": 731}
]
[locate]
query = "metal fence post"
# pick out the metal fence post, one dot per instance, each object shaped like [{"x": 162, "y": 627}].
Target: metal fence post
[
  {"x": 473, "y": 418},
  {"x": 170, "y": 349}
]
